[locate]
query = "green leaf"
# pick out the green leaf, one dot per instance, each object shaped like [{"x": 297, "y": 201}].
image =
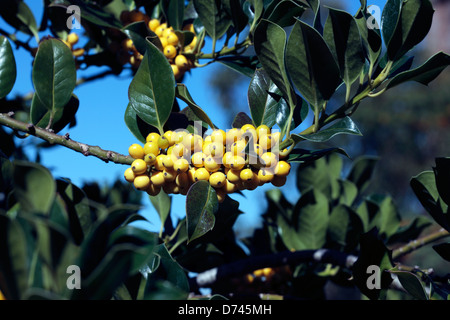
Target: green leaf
[
  {"x": 42, "y": 117},
  {"x": 424, "y": 187},
  {"x": 284, "y": 12},
  {"x": 411, "y": 283},
  {"x": 309, "y": 222},
  {"x": 161, "y": 203},
  {"x": 241, "y": 119},
  {"x": 442, "y": 174},
  {"x": 302, "y": 155},
  {"x": 201, "y": 206},
  {"x": 311, "y": 65},
  {"x": 174, "y": 12},
  {"x": 425, "y": 73},
  {"x": 386, "y": 218},
  {"x": 245, "y": 65},
  {"x": 254, "y": 10},
  {"x": 34, "y": 187},
  {"x": 371, "y": 37},
  {"x": 362, "y": 171},
  {"x": 136, "y": 125},
  {"x": 341, "y": 33},
  {"x": 342, "y": 126},
  {"x": 8, "y": 70},
  {"x": 236, "y": 12},
  {"x": 443, "y": 249},
  {"x": 54, "y": 74},
  {"x": 270, "y": 44},
  {"x": 19, "y": 16},
  {"x": 138, "y": 32},
  {"x": 213, "y": 17},
  {"x": 413, "y": 23},
  {"x": 182, "y": 93},
  {"x": 263, "y": 107},
  {"x": 345, "y": 227},
  {"x": 152, "y": 90}
]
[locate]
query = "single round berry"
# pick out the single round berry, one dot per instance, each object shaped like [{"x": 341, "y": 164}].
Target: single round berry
[
  {"x": 169, "y": 135},
  {"x": 157, "y": 178},
  {"x": 159, "y": 162},
  {"x": 217, "y": 179},
  {"x": 282, "y": 168},
  {"x": 176, "y": 71},
  {"x": 211, "y": 164},
  {"x": 172, "y": 39},
  {"x": 246, "y": 174},
  {"x": 170, "y": 51},
  {"x": 139, "y": 166},
  {"x": 167, "y": 32},
  {"x": 265, "y": 175},
  {"x": 237, "y": 163},
  {"x": 129, "y": 175},
  {"x": 279, "y": 181},
  {"x": 227, "y": 159},
  {"x": 262, "y": 130},
  {"x": 168, "y": 161},
  {"x": 265, "y": 141},
  {"x": 141, "y": 182},
  {"x": 163, "y": 41},
  {"x": 151, "y": 147},
  {"x": 233, "y": 135},
  {"x": 216, "y": 149},
  {"x": 201, "y": 174},
  {"x": 163, "y": 142},
  {"x": 159, "y": 30},
  {"x": 238, "y": 148},
  {"x": 218, "y": 135},
  {"x": 233, "y": 176},
  {"x": 181, "y": 62},
  {"x": 72, "y": 38},
  {"x": 153, "y": 24},
  {"x": 230, "y": 187},
  {"x": 150, "y": 158},
  {"x": 136, "y": 151},
  {"x": 269, "y": 159},
  {"x": 249, "y": 133},
  {"x": 169, "y": 174},
  {"x": 181, "y": 165},
  {"x": 198, "y": 159}
]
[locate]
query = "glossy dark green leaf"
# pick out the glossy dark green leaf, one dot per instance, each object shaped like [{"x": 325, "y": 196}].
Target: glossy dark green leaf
[
  {"x": 236, "y": 12},
  {"x": 263, "y": 107},
  {"x": 443, "y": 249},
  {"x": 342, "y": 126},
  {"x": 362, "y": 171},
  {"x": 174, "y": 12},
  {"x": 311, "y": 65},
  {"x": 373, "y": 252},
  {"x": 302, "y": 155},
  {"x": 270, "y": 44},
  {"x": 309, "y": 222},
  {"x": 345, "y": 227},
  {"x": 386, "y": 218},
  {"x": 152, "y": 90},
  {"x": 442, "y": 174},
  {"x": 425, "y": 73},
  {"x": 245, "y": 65},
  {"x": 424, "y": 187},
  {"x": 240, "y": 119},
  {"x": 254, "y": 10},
  {"x": 182, "y": 93},
  {"x": 138, "y": 33},
  {"x": 8, "y": 70},
  {"x": 40, "y": 115},
  {"x": 201, "y": 206},
  {"x": 162, "y": 205},
  {"x": 34, "y": 187},
  {"x": 54, "y": 74},
  {"x": 412, "y": 24},
  {"x": 370, "y": 33},
  {"x": 136, "y": 125},
  {"x": 213, "y": 17},
  {"x": 411, "y": 283},
  {"x": 341, "y": 33},
  {"x": 284, "y": 12}
]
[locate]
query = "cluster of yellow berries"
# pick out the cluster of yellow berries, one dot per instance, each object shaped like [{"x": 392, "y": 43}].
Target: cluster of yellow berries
[
  {"x": 172, "y": 47},
  {"x": 239, "y": 159},
  {"x": 71, "y": 41},
  {"x": 265, "y": 273}
]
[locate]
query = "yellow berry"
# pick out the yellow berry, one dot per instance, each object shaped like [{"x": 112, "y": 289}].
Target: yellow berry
[
  {"x": 279, "y": 181},
  {"x": 170, "y": 51},
  {"x": 72, "y": 38},
  {"x": 269, "y": 159},
  {"x": 211, "y": 164},
  {"x": 205, "y": 149},
  {"x": 169, "y": 174},
  {"x": 217, "y": 179},
  {"x": 157, "y": 178},
  {"x": 234, "y": 176},
  {"x": 78, "y": 52},
  {"x": 169, "y": 135},
  {"x": 230, "y": 187},
  {"x": 246, "y": 174},
  {"x": 178, "y": 136},
  {"x": 179, "y": 150},
  {"x": 192, "y": 142},
  {"x": 159, "y": 162},
  {"x": 129, "y": 175},
  {"x": 153, "y": 24},
  {"x": 218, "y": 135},
  {"x": 216, "y": 149},
  {"x": 227, "y": 159},
  {"x": 233, "y": 135},
  {"x": 238, "y": 148},
  {"x": 201, "y": 174},
  {"x": 163, "y": 41},
  {"x": 159, "y": 30},
  {"x": 265, "y": 141},
  {"x": 181, "y": 61},
  {"x": 176, "y": 71},
  {"x": 139, "y": 166},
  {"x": 181, "y": 165},
  {"x": 129, "y": 45},
  {"x": 167, "y": 31},
  {"x": 136, "y": 151},
  {"x": 191, "y": 174},
  {"x": 265, "y": 175},
  {"x": 172, "y": 38},
  {"x": 282, "y": 168},
  {"x": 237, "y": 163},
  {"x": 168, "y": 161},
  {"x": 262, "y": 130},
  {"x": 141, "y": 182},
  {"x": 189, "y": 27},
  {"x": 249, "y": 133},
  {"x": 163, "y": 142},
  {"x": 150, "y": 158},
  {"x": 152, "y": 137},
  {"x": 198, "y": 159},
  {"x": 151, "y": 147},
  {"x": 251, "y": 183},
  {"x": 182, "y": 180}
]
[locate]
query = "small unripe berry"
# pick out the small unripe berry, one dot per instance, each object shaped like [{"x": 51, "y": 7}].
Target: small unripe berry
[
  {"x": 163, "y": 142},
  {"x": 136, "y": 151},
  {"x": 150, "y": 158},
  {"x": 139, "y": 166},
  {"x": 217, "y": 179}
]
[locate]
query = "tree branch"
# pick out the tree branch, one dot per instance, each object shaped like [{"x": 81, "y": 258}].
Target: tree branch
[
  {"x": 52, "y": 138},
  {"x": 418, "y": 243}
]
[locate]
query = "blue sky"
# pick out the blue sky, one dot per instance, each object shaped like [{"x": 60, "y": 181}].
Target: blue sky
[{"x": 100, "y": 122}]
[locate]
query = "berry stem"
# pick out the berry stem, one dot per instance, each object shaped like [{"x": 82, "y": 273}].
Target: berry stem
[{"x": 7, "y": 120}]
